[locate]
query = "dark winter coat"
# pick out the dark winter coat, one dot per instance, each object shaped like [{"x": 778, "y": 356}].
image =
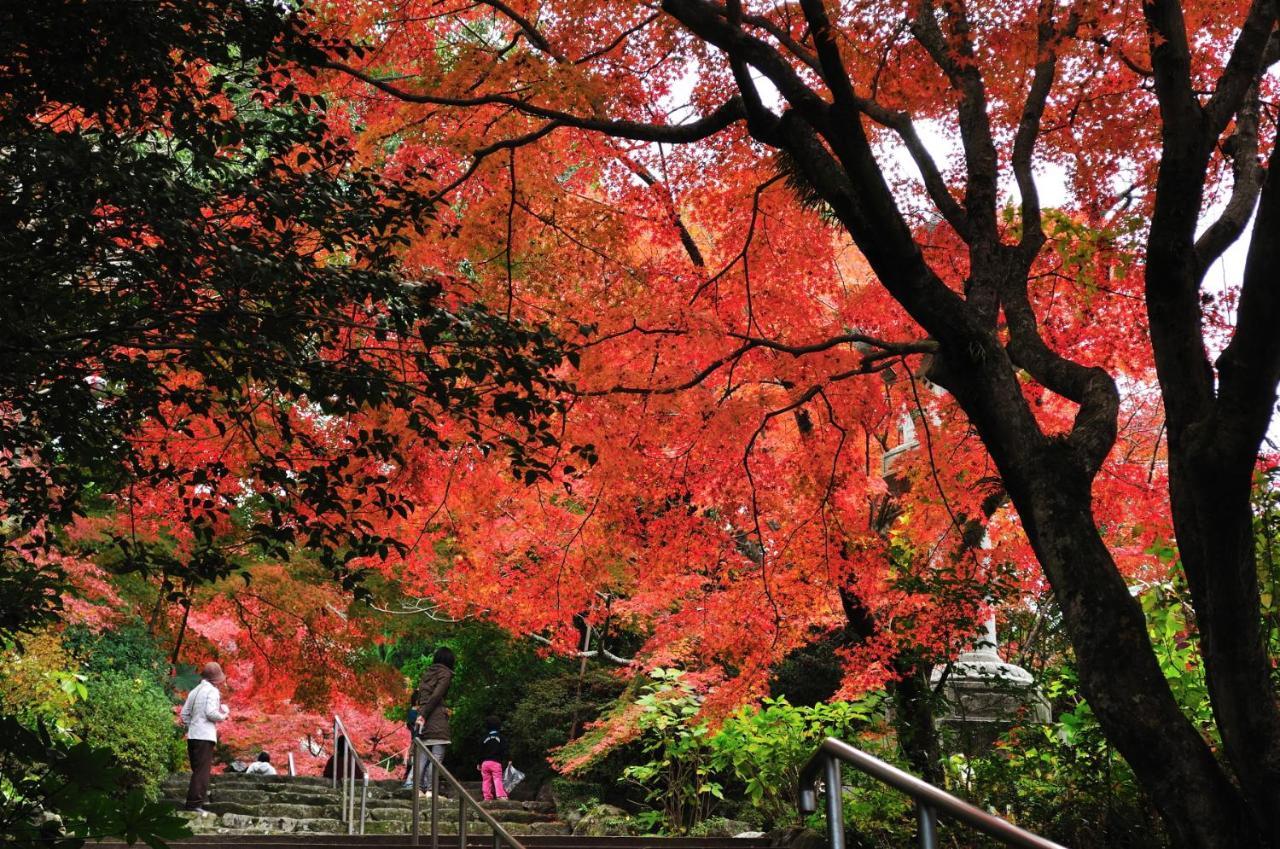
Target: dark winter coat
[
  {"x": 335, "y": 761},
  {"x": 429, "y": 701}
]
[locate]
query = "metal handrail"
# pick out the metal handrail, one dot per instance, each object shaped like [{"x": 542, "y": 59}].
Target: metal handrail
[
  {"x": 344, "y": 776},
  {"x": 500, "y": 834},
  {"x": 930, "y": 801}
]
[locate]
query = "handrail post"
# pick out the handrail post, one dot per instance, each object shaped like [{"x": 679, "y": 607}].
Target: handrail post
[
  {"x": 928, "y": 820},
  {"x": 415, "y": 770},
  {"x": 462, "y": 821},
  {"x": 351, "y": 796},
  {"x": 435, "y": 799},
  {"x": 335, "y": 751},
  {"x": 423, "y": 756},
  {"x": 364, "y": 800},
  {"x": 835, "y": 804},
  {"x": 340, "y": 773}
]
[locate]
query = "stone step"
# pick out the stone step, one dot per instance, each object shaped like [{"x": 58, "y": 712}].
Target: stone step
[
  {"x": 382, "y": 799},
  {"x": 474, "y": 841},
  {"x": 254, "y": 796},
  {"x": 177, "y": 784},
  {"x": 267, "y": 806},
  {"x": 247, "y": 791},
  {"x": 271, "y": 809},
  {"x": 449, "y": 832},
  {"x": 450, "y": 814},
  {"x": 182, "y": 778},
  {"x": 402, "y": 799},
  {"x": 266, "y": 782},
  {"x": 214, "y": 823},
  {"x": 379, "y": 810},
  {"x": 510, "y": 812},
  {"x": 234, "y": 823}
]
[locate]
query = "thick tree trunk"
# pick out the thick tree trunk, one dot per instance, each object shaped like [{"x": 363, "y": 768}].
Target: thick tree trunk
[
  {"x": 1214, "y": 435},
  {"x": 1214, "y": 528},
  {"x": 1049, "y": 479},
  {"x": 1119, "y": 674}
]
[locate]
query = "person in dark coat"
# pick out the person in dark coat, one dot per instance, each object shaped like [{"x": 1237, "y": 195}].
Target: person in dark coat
[
  {"x": 336, "y": 762},
  {"x": 431, "y": 723}
]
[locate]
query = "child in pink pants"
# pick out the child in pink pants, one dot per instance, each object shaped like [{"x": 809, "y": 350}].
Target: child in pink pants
[{"x": 493, "y": 754}]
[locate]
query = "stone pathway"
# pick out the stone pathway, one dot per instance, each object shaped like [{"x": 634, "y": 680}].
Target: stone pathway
[{"x": 250, "y": 804}]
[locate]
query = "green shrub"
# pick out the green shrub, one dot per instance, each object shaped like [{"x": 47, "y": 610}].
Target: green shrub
[
  {"x": 679, "y": 777},
  {"x": 57, "y": 792},
  {"x": 1064, "y": 780},
  {"x": 541, "y": 720},
  {"x": 40, "y": 683},
  {"x": 763, "y": 749},
  {"x": 133, "y": 719},
  {"x": 570, "y": 794},
  {"x": 129, "y": 650}
]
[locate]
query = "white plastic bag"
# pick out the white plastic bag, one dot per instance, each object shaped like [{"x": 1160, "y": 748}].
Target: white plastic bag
[{"x": 511, "y": 777}]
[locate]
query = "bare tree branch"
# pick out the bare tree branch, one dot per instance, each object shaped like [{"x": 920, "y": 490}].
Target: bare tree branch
[
  {"x": 729, "y": 112},
  {"x": 900, "y": 122},
  {"x": 536, "y": 38},
  {"x": 1242, "y": 69},
  {"x": 589, "y": 653},
  {"x": 962, "y": 69},
  {"x": 1247, "y": 175},
  {"x": 1029, "y": 124},
  {"x": 870, "y": 360}
]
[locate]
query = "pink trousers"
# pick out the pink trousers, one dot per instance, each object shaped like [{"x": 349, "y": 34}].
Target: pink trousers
[{"x": 491, "y": 780}]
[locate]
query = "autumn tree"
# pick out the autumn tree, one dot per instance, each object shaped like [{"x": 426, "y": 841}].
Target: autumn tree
[
  {"x": 189, "y": 248},
  {"x": 1157, "y": 109}
]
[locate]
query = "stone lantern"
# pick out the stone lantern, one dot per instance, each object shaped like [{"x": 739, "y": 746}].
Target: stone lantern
[{"x": 984, "y": 694}]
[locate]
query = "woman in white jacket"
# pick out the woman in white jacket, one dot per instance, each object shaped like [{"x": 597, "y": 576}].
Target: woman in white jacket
[{"x": 201, "y": 714}]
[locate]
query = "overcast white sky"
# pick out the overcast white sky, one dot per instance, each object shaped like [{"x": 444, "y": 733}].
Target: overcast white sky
[{"x": 1050, "y": 180}]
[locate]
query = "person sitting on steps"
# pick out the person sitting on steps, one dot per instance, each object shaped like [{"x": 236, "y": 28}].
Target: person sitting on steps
[{"x": 261, "y": 766}]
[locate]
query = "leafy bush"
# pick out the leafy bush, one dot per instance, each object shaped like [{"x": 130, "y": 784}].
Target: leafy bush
[
  {"x": 679, "y": 777},
  {"x": 693, "y": 774},
  {"x": 40, "y": 684},
  {"x": 129, "y": 650},
  {"x": 57, "y": 793},
  {"x": 1065, "y": 780},
  {"x": 133, "y": 719},
  {"x": 541, "y": 720},
  {"x": 570, "y": 794},
  {"x": 763, "y": 748}
]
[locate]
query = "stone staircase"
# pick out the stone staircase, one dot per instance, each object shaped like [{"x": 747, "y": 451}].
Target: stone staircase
[
  {"x": 382, "y": 841},
  {"x": 308, "y": 805}
]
